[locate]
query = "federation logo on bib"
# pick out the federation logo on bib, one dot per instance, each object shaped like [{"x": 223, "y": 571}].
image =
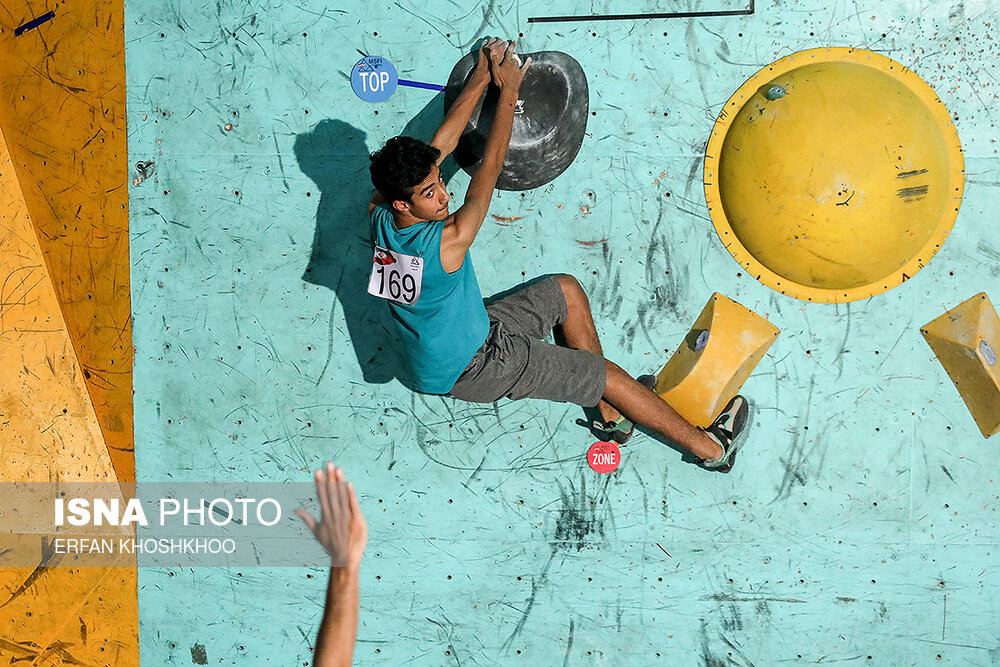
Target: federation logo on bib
[{"x": 383, "y": 257}]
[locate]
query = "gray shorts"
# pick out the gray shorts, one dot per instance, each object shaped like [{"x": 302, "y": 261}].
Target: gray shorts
[{"x": 516, "y": 363}]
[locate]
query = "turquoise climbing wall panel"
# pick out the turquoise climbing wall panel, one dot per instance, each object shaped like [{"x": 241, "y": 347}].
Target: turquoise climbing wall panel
[{"x": 860, "y": 523}]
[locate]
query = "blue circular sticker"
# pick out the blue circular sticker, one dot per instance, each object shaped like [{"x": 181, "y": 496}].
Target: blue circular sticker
[{"x": 374, "y": 79}]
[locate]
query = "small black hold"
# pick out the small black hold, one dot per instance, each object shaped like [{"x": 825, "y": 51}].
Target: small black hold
[{"x": 198, "y": 654}]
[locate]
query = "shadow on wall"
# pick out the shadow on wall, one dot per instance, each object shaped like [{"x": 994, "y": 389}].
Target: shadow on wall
[
  {"x": 424, "y": 125},
  {"x": 334, "y": 154}
]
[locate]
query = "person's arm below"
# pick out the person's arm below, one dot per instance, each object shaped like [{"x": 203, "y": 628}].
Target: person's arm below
[
  {"x": 343, "y": 533},
  {"x": 339, "y": 628},
  {"x": 447, "y": 136},
  {"x": 461, "y": 229}
]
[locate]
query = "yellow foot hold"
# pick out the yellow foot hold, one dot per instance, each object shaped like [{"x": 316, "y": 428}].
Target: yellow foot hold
[
  {"x": 966, "y": 340},
  {"x": 717, "y": 356}
]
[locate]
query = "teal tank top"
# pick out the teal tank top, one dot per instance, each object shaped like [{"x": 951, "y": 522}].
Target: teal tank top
[{"x": 448, "y": 323}]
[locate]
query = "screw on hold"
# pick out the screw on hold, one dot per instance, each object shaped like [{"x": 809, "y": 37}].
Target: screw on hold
[
  {"x": 775, "y": 93},
  {"x": 701, "y": 341},
  {"x": 989, "y": 356},
  {"x": 145, "y": 169}
]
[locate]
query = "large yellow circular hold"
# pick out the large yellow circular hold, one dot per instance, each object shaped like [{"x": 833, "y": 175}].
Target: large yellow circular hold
[{"x": 834, "y": 174}]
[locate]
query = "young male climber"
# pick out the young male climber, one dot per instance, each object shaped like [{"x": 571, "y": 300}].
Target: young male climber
[{"x": 455, "y": 344}]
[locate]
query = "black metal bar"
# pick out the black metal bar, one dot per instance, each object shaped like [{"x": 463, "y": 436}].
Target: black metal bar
[{"x": 640, "y": 17}]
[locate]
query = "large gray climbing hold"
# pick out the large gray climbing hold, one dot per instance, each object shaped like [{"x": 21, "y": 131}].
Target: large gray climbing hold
[{"x": 549, "y": 123}]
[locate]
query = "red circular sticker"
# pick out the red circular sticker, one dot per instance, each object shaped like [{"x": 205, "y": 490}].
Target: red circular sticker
[{"x": 604, "y": 457}]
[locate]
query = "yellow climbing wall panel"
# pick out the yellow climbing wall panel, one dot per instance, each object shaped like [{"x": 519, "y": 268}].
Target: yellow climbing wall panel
[
  {"x": 50, "y": 431},
  {"x": 717, "y": 356},
  {"x": 52, "y": 615},
  {"x": 62, "y": 111},
  {"x": 65, "y": 334},
  {"x": 966, "y": 341}
]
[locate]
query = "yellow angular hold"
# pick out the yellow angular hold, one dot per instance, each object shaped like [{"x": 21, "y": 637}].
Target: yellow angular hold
[
  {"x": 717, "y": 356},
  {"x": 966, "y": 340}
]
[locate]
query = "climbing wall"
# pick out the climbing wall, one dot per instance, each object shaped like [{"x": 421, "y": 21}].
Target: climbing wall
[
  {"x": 65, "y": 336},
  {"x": 859, "y": 525}
]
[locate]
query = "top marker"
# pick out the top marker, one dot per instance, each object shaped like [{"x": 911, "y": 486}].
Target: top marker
[{"x": 374, "y": 79}]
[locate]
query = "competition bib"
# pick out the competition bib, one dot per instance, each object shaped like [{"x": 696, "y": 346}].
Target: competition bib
[{"x": 395, "y": 276}]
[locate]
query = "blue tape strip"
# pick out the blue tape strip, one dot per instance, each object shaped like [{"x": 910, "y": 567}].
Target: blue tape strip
[
  {"x": 34, "y": 23},
  {"x": 417, "y": 84}
]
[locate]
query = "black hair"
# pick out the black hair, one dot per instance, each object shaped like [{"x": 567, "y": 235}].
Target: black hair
[{"x": 401, "y": 165}]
